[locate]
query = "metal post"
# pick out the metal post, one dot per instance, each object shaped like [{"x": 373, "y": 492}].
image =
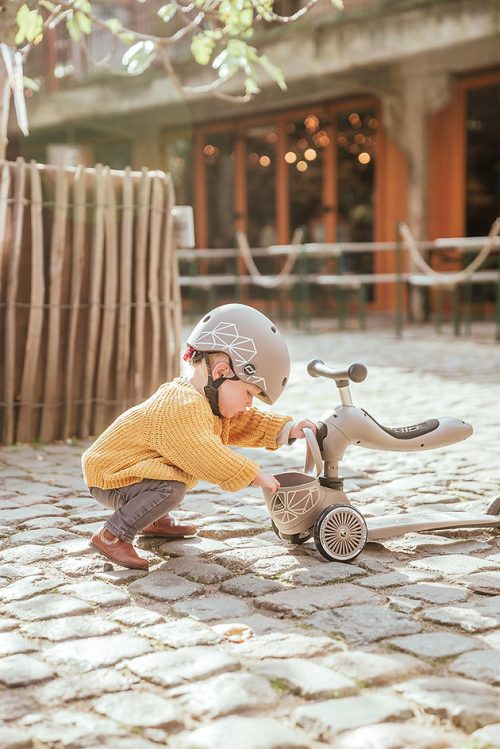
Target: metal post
[
  {"x": 468, "y": 297},
  {"x": 361, "y": 307},
  {"x": 497, "y": 304},
  {"x": 439, "y": 309},
  {"x": 398, "y": 264},
  {"x": 456, "y": 310}
]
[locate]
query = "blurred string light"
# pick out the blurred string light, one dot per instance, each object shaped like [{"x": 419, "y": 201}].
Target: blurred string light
[
  {"x": 311, "y": 123},
  {"x": 321, "y": 139},
  {"x": 357, "y": 139}
]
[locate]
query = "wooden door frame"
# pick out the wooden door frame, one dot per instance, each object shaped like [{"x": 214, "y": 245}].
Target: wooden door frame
[{"x": 447, "y": 176}]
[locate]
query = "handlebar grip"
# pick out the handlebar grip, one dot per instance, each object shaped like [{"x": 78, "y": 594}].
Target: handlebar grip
[{"x": 356, "y": 372}]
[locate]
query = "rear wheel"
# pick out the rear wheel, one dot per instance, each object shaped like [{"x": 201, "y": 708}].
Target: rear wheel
[
  {"x": 340, "y": 533},
  {"x": 494, "y": 508},
  {"x": 292, "y": 538}
]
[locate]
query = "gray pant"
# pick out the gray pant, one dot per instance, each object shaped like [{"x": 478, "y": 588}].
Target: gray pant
[{"x": 138, "y": 505}]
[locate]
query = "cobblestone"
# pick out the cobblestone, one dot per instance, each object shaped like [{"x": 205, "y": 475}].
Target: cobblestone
[
  {"x": 142, "y": 709},
  {"x": 483, "y": 665},
  {"x": 189, "y": 663},
  {"x": 375, "y": 668},
  {"x": 467, "y": 703},
  {"x": 435, "y": 644},
  {"x": 366, "y": 623},
  {"x": 236, "y": 640},
  {"x": 251, "y": 733},
  {"x": 306, "y": 678},
  {"x": 20, "y": 669},
  {"x": 227, "y": 693},
  {"x": 94, "y": 652},
  {"x": 334, "y": 716}
]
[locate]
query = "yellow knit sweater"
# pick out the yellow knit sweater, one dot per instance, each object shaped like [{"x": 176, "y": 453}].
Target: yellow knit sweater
[{"x": 175, "y": 436}]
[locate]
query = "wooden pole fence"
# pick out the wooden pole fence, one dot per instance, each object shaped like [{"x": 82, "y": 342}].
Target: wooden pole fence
[{"x": 89, "y": 296}]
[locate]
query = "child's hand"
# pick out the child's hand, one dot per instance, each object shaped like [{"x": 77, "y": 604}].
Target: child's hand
[
  {"x": 266, "y": 481},
  {"x": 297, "y": 431}
]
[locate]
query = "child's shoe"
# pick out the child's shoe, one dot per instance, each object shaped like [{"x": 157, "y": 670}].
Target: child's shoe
[
  {"x": 118, "y": 551},
  {"x": 166, "y": 527}
]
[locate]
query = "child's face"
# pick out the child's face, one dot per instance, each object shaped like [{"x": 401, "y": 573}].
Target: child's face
[{"x": 235, "y": 396}]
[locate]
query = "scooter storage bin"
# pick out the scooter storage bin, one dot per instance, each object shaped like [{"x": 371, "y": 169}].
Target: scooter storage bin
[{"x": 299, "y": 501}]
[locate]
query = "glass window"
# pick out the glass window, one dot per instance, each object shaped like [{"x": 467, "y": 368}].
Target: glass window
[
  {"x": 261, "y": 178},
  {"x": 179, "y": 163},
  {"x": 356, "y": 138},
  {"x": 483, "y": 159},
  {"x": 218, "y": 152},
  {"x": 307, "y": 140}
]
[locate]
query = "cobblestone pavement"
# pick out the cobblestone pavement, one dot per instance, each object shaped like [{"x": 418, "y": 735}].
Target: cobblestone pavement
[{"x": 234, "y": 640}]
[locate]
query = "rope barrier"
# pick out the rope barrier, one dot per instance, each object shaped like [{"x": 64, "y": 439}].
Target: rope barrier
[
  {"x": 448, "y": 278},
  {"x": 269, "y": 282}
]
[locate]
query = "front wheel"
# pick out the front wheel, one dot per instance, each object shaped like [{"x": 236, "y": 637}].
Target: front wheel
[{"x": 340, "y": 533}]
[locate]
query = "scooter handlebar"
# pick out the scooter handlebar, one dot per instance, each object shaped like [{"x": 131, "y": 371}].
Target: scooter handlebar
[{"x": 356, "y": 372}]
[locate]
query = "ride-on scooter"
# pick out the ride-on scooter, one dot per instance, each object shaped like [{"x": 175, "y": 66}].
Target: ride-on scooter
[{"x": 314, "y": 504}]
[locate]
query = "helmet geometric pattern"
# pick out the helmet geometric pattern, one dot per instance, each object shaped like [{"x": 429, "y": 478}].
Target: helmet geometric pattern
[
  {"x": 241, "y": 349},
  {"x": 290, "y": 504}
]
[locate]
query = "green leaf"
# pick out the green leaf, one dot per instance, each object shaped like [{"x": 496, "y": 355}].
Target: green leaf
[
  {"x": 265, "y": 8},
  {"x": 47, "y": 5},
  {"x": 128, "y": 37},
  {"x": 114, "y": 25},
  {"x": 202, "y": 47},
  {"x": 167, "y": 12},
  {"x": 138, "y": 58},
  {"x": 83, "y": 22},
  {"x": 30, "y": 25},
  {"x": 251, "y": 86},
  {"x": 84, "y": 5},
  {"x": 73, "y": 28},
  {"x": 272, "y": 70},
  {"x": 30, "y": 83}
]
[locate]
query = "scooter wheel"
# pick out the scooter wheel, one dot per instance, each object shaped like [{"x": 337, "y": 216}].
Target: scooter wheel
[
  {"x": 340, "y": 533},
  {"x": 494, "y": 508},
  {"x": 293, "y": 538}
]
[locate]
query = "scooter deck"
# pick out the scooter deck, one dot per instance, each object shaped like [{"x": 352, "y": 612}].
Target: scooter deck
[{"x": 397, "y": 525}]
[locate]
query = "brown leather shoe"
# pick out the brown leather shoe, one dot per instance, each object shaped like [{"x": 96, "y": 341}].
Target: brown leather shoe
[
  {"x": 166, "y": 527},
  {"x": 118, "y": 551}
]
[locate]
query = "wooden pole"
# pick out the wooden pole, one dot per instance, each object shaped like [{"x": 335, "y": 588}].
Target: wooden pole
[
  {"x": 156, "y": 223},
  {"x": 124, "y": 316},
  {"x": 50, "y": 426},
  {"x": 27, "y": 424},
  {"x": 10, "y": 353},
  {"x": 107, "y": 337},
  {"x": 140, "y": 283},
  {"x": 95, "y": 283},
  {"x": 77, "y": 266}
]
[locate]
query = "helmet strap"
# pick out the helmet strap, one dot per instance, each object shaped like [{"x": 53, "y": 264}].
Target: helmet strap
[{"x": 211, "y": 389}]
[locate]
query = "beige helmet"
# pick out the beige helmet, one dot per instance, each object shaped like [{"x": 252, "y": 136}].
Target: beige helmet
[{"x": 254, "y": 345}]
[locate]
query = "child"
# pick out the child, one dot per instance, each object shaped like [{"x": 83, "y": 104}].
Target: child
[{"x": 142, "y": 464}]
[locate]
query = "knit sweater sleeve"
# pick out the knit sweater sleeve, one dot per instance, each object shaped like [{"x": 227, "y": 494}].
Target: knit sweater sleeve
[
  {"x": 196, "y": 449},
  {"x": 256, "y": 428}
]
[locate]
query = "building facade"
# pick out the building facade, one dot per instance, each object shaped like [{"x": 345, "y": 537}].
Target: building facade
[{"x": 392, "y": 112}]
